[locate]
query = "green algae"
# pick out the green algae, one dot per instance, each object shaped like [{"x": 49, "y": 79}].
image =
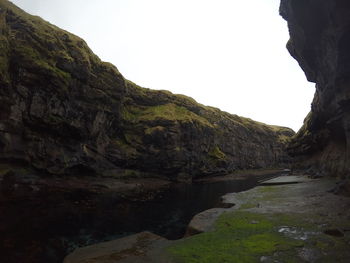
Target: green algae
[{"x": 238, "y": 236}]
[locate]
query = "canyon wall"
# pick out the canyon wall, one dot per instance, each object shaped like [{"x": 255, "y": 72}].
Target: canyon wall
[
  {"x": 320, "y": 42},
  {"x": 64, "y": 111}
]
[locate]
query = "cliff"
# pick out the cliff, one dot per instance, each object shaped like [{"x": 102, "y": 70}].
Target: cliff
[
  {"x": 319, "y": 41},
  {"x": 64, "y": 111}
]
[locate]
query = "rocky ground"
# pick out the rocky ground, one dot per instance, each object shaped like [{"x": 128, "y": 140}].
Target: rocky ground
[{"x": 290, "y": 219}]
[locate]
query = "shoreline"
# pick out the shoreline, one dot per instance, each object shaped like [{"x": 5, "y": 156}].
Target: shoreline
[
  {"x": 16, "y": 181},
  {"x": 295, "y": 221},
  {"x": 241, "y": 175}
]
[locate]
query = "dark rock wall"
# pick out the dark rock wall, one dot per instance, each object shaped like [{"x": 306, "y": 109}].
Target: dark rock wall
[
  {"x": 55, "y": 96},
  {"x": 320, "y": 42},
  {"x": 63, "y": 110}
]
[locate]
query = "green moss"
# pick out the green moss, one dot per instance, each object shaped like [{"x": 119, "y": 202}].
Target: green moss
[
  {"x": 152, "y": 130},
  {"x": 216, "y": 153},
  {"x": 284, "y": 139},
  {"x": 37, "y": 46},
  {"x": 237, "y": 237},
  {"x": 248, "y": 206},
  {"x": 177, "y": 107},
  {"x": 129, "y": 113},
  {"x": 173, "y": 112},
  {"x": 269, "y": 189},
  {"x": 30, "y": 55},
  {"x": 169, "y": 111}
]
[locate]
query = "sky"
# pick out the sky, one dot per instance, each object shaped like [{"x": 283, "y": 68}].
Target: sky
[{"x": 228, "y": 54}]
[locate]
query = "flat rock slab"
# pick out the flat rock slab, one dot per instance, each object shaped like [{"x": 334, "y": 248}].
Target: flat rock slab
[
  {"x": 139, "y": 248},
  {"x": 287, "y": 179},
  {"x": 204, "y": 221}
]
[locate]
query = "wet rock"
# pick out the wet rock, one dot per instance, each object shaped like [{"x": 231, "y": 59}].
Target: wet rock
[
  {"x": 334, "y": 232},
  {"x": 204, "y": 221},
  {"x": 135, "y": 248},
  {"x": 342, "y": 187},
  {"x": 8, "y": 183},
  {"x": 289, "y": 179},
  {"x": 319, "y": 41},
  {"x": 309, "y": 254}
]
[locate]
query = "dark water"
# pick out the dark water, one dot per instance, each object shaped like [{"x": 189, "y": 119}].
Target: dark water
[
  {"x": 51, "y": 224},
  {"x": 169, "y": 214}
]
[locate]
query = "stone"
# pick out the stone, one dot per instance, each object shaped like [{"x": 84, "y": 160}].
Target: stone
[
  {"x": 133, "y": 248},
  {"x": 203, "y": 221},
  {"x": 289, "y": 179}
]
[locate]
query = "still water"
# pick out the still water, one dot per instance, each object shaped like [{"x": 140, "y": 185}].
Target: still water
[
  {"x": 167, "y": 215},
  {"x": 47, "y": 226}
]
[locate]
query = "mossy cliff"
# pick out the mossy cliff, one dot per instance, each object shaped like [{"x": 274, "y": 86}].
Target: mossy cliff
[
  {"x": 63, "y": 110},
  {"x": 319, "y": 41},
  {"x": 177, "y": 136}
]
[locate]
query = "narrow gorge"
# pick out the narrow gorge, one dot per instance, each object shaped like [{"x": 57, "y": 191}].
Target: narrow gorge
[{"x": 81, "y": 147}]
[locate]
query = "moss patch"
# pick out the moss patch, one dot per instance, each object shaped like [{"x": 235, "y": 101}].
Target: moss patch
[
  {"x": 173, "y": 112},
  {"x": 238, "y": 237},
  {"x": 217, "y": 153}
]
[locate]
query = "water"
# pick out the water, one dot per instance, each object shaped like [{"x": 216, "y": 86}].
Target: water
[
  {"x": 45, "y": 231},
  {"x": 169, "y": 213}
]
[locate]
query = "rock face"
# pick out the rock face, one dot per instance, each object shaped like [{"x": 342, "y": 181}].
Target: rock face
[
  {"x": 320, "y": 42},
  {"x": 64, "y": 111}
]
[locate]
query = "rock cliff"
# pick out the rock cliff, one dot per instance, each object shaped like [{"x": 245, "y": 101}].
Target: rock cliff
[
  {"x": 320, "y": 42},
  {"x": 64, "y": 111}
]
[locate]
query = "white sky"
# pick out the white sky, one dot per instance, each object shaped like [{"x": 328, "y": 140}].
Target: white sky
[{"x": 228, "y": 54}]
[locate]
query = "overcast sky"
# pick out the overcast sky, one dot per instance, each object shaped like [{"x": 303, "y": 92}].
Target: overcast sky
[{"x": 228, "y": 54}]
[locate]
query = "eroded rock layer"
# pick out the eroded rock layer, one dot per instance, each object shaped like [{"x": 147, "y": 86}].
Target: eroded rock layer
[
  {"x": 65, "y": 111},
  {"x": 320, "y": 42}
]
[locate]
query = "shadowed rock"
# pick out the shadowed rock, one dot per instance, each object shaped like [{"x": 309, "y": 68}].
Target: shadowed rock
[{"x": 320, "y": 41}]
